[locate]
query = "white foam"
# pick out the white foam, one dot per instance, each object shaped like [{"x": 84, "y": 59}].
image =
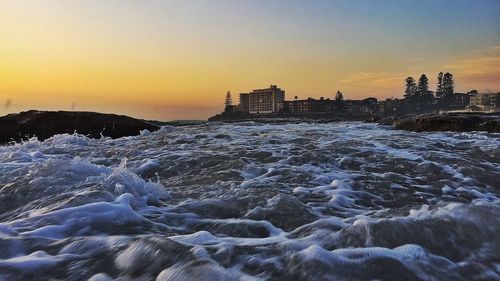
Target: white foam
[
  {"x": 75, "y": 219},
  {"x": 35, "y": 261},
  {"x": 72, "y": 193},
  {"x": 100, "y": 277},
  {"x": 197, "y": 238}
]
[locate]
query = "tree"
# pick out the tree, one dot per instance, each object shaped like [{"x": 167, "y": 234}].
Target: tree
[
  {"x": 228, "y": 103},
  {"x": 339, "y": 96},
  {"x": 229, "y": 100},
  {"x": 448, "y": 85},
  {"x": 423, "y": 85},
  {"x": 411, "y": 88},
  {"x": 339, "y": 102},
  {"x": 472, "y": 93},
  {"x": 439, "y": 89}
]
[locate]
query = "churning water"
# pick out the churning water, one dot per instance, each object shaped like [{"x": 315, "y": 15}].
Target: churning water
[{"x": 248, "y": 201}]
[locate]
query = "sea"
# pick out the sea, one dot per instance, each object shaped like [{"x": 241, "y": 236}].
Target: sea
[{"x": 253, "y": 201}]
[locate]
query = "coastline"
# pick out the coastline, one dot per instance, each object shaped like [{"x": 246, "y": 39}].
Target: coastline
[
  {"x": 44, "y": 124},
  {"x": 453, "y": 122},
  {"x": 321, "y": 117}
]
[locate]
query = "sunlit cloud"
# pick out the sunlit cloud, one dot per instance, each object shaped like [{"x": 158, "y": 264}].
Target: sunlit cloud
[
  {"x": 379, "y": 80},
  {"x": 377, "y": 84},
  {"x": 481, "y": 69}
]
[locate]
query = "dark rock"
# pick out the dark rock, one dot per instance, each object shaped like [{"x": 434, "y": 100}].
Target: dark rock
[
  {"x": 387, "y": 121},
  {"x": 45, "y": 124},
  {"x": 458, "y": 122}
]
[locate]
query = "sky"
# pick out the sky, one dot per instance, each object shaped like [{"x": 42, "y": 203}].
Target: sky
[{"x": 167, "y": 60}]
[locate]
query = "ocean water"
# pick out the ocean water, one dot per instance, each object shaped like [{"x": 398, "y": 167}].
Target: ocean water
[{"x": 249, "y": 201}]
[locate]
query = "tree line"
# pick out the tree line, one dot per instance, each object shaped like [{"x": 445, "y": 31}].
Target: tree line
[
  {"x": 419, "y": 98},
  {"x": 445, "y": 86}
]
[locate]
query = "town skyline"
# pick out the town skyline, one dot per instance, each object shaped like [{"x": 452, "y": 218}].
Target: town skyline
[
  {"x": 176, "y": 60},
  {"x": 271, "y": 102}
]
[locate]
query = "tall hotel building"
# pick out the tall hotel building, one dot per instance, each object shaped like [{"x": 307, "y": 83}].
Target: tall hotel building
[{"x": 258, "y": 101}]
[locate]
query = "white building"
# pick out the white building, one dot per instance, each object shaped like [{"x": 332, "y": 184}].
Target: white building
[
  {"x": 488, "y": 102},
  {"x": 269, "y": 100}
]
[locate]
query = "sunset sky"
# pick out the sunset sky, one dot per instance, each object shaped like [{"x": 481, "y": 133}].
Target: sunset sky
[{"x": 176, "y": 59}]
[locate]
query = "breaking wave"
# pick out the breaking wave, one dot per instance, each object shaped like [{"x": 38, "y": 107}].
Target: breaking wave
[{"x": 250, "y": 201}]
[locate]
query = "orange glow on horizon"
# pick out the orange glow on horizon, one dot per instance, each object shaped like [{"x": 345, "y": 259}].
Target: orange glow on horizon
[{"x": 52, "y": 60}]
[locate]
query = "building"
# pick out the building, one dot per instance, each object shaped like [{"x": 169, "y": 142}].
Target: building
[
  {"x": 269, "y": 100},
  {"x": 458, "y": 101},
  {"x": 311, "y": 105},
  {"x": 366, "y": 106},
  {"x": 489, "y": 102},
  {"x": 244, "y": 102},
  {"x": 391, "y": 106},
  {"x": 297, "y": 106},
  {"x": 307, "y": 106}
]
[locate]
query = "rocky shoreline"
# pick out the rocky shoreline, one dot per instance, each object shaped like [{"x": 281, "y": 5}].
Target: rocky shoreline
[
  {"x": 44, "y": 124},
  {"x": 454, "y": 122}
]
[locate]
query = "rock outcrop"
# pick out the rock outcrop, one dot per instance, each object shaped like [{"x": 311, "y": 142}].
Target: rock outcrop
[
  {"x": 455, "y": 122},
  {"x": 45, "y": 124}
]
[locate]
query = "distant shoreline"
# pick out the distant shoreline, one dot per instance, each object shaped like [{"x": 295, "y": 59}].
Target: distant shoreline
[
  {"x": 45, "y": 124},
  {"x": 455, "y": 122},
  {"x": 304, "y": 116}
]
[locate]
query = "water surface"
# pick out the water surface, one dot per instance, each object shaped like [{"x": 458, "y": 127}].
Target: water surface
[{"x": 249, "y": 201}]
